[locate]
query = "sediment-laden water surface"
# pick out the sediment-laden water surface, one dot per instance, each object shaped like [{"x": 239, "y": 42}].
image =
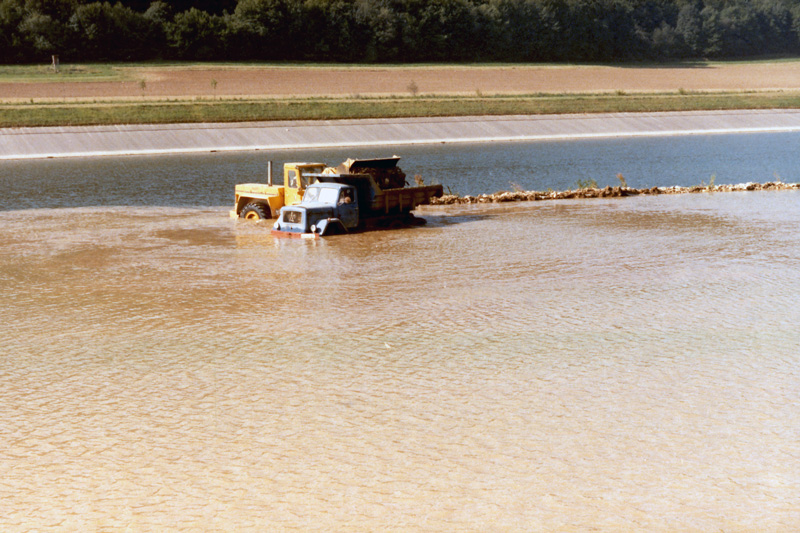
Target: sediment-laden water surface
[{"x": 622, "y": 364}]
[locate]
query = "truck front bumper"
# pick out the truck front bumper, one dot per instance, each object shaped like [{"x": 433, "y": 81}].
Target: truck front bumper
[{"x": 294, "y": 234}]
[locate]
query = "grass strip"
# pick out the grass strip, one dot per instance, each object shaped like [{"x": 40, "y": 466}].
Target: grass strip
[
  {"x": 128, "y": 70},
  {"x": 66, "y": 73},
  {"x": 225, "y": 110}
]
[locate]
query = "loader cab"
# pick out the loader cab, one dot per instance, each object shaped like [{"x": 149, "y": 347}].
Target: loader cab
[{"x": 296, "y": 177}]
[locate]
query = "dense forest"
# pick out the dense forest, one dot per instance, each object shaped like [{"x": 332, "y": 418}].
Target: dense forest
[{"x": 397, "y": 30}]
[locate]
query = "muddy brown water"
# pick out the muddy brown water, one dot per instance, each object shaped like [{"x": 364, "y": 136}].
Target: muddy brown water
[{"x": 614, "y": 365}]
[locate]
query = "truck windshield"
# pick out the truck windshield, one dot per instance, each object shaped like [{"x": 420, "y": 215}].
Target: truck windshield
[
  {"x": 311, "y": 195},
  {"x": 328, "y": 196}
]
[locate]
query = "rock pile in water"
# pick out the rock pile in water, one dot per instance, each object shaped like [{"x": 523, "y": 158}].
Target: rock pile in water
[{"x": 607, "y": 192}]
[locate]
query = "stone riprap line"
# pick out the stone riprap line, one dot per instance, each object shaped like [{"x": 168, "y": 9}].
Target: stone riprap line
[
  {"x": 606, "y": 192},
  {"x": 89, "y": 141}
]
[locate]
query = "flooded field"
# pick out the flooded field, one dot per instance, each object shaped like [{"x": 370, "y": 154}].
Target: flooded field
[{"x": 609, "y": 365}]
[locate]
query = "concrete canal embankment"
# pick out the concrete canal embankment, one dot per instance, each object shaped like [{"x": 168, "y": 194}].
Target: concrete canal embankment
[{"x": 89, "y": 141}]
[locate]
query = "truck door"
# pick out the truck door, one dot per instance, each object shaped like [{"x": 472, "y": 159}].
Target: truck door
[{"x": 348, "y": 207}]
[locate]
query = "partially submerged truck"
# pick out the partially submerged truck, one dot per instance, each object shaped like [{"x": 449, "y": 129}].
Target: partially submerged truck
[{"x": 359, "y": 194}]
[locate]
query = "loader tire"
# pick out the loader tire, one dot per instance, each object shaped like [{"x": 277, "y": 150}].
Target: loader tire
[{"x": 255, "y": 212}]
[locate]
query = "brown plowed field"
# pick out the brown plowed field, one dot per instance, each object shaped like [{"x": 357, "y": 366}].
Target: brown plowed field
[{"x": 340, "y": 81}]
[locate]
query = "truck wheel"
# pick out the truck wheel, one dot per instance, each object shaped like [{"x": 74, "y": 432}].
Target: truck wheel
[{"x": 255, "y": 212}]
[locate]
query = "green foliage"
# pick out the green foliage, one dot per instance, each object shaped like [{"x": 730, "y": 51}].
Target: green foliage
[
  {"x": 196, "y": 35},
  {"x": 587, "y": 184},
  {"x": 93, "y": 27},
  {"x": 397, "y": 30}
]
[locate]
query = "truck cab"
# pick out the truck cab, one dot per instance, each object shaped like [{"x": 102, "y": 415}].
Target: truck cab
[{"x": 326, "y": 208}]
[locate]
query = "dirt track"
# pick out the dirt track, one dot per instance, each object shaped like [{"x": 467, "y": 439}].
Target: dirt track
[{"x": 319, "y": 81}]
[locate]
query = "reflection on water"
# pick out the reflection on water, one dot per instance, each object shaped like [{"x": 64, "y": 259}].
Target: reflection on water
[{"x": 626, "y": 364}]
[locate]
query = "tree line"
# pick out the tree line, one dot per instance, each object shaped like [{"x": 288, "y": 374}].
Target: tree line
[{"x": 397, "y": 30}]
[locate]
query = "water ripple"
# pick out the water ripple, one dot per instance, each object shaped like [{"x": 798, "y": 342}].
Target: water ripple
[{"x": 616, "y": 365}]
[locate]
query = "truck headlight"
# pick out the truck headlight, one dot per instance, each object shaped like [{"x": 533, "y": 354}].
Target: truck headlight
[{"x": 313, "y": 228}]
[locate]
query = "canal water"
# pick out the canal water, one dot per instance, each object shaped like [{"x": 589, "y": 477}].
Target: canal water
[
  {"x": 611, "y": 364},
  {"x": 208, "y": 179}
]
